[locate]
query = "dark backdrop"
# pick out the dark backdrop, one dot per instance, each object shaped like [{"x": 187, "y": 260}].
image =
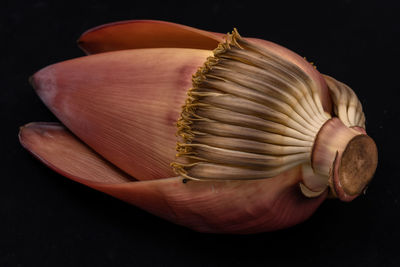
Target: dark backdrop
[{"x": 48, "y": 220}]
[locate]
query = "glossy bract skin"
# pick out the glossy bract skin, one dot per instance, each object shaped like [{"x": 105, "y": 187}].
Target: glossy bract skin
[{"x": 119, "y": 106}]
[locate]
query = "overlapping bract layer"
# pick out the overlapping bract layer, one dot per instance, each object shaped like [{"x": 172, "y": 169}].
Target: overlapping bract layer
[{"x": 347, "y": 106}]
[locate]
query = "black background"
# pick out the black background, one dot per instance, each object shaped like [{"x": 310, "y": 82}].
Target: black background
[{"x": 48, "y": 220}]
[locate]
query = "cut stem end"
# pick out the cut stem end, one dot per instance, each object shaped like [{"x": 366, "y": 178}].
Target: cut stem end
[
  {"x": 347, "y": 156},
  {"x": 354, "y": 168}
]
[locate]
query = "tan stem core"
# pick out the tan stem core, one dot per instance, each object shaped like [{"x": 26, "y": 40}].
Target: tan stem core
[
  {"x": 348, "y": 157},
  {"x": 356, "y": 167}
]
